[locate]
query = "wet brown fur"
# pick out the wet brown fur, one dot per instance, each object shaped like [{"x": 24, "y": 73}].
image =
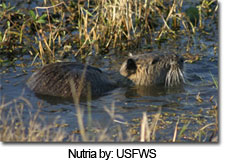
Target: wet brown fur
[
  {"x": 54, "y": 80},
  {"x": 141, "y": 70},
  {"x": 152, "y": 69}
]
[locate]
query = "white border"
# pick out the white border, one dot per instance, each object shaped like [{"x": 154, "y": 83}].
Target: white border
[{"x": 166, "y": 152}]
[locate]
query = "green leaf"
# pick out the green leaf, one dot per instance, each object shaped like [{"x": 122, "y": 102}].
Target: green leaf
[
  {"x": 8, "y": 24},
  {"x": 32, "y": 14},
  {"x": 183, "y": 129},
  {"x": 43, "y": 16},
  {"x": 215, "y": 81},
  {"x": 40, "y": 21},
  {"x": 11, "y": 8},
  {"x": 4, "y": 6}
]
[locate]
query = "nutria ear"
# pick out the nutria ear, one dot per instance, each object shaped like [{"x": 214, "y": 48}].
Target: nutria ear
[
  {"x": 155, "y": 60},
  {"x": 131, "y": 64}
]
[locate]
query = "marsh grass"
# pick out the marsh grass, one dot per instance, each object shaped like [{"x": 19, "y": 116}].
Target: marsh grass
[
  {"x": 16, "y": 126},
  {"x": 88, "y": 27}
]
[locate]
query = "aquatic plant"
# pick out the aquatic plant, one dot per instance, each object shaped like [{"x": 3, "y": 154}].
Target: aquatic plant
[{"x": 86, "y": 27}]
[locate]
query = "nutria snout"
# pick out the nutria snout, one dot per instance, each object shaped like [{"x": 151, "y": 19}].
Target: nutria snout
[
  {"x": 142, "y": 70},
  {"x": 150, "y": 69}
]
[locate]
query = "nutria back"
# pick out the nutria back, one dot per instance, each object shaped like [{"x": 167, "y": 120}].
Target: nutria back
[
  {"x": 154, "y": 69},
  {"x": 55, "y": 80}
]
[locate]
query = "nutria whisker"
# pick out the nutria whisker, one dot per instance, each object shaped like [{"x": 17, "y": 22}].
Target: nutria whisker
[{"x": 174, "y": 77}]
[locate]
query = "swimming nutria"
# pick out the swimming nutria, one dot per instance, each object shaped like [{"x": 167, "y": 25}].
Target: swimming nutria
[
  {"x": 141, "y": 70},
  {"x": 54, "y": 80},
  {"x": 147, "y": 70}
]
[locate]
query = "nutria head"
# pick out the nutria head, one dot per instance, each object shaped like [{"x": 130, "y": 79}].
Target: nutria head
[{"x": 149, "y": 69}]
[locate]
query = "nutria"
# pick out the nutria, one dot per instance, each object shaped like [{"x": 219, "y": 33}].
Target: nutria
[
  {"x": 54, "y": 80},
  {"x": 148, "y": 70},
  {"x": 142, "y": 70}
]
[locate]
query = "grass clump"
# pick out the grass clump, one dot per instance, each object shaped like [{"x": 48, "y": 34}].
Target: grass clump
[
  {"x": 13, "y": 127},
  {"x": 87, "y": 27}
]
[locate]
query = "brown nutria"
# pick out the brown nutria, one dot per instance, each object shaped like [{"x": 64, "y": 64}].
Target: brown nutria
[
  {"x": 54, "y": 80},
  {"x": 141, "y": 70},
  {"x": 152, "y": 69}
]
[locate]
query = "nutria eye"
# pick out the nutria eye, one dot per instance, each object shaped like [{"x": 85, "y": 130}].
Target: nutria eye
[{"x": 131, "y": 65}]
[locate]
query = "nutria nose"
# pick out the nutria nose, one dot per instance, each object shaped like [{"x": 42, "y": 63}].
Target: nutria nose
[{"x": 177, "y": 60}]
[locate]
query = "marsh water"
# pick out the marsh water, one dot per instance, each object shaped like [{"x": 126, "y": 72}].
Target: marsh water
[{"x": 191, "y": 104}]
